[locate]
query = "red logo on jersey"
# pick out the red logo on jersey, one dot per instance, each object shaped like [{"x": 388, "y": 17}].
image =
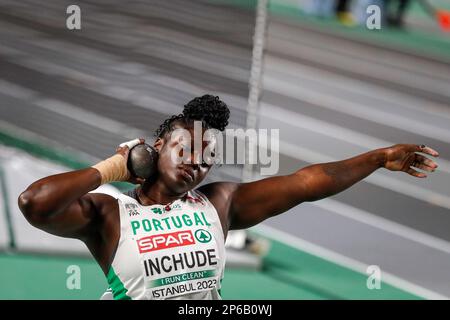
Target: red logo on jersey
[
  {"x": 194, "y": 200},
  {"x": 164, "y": 241}
]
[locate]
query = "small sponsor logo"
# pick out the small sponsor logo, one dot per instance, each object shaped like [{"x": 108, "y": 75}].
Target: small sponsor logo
[
  {"x": 164, "y": 241},
  {"x": 157, "y": 210},
  {"x": 202, "y": 236},
  {"x": 132, "y": 209},
  {"x": 166, "y": 208}
]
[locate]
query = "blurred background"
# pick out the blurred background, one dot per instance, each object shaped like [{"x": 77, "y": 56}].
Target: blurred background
[{"x": 331, "y": 86}]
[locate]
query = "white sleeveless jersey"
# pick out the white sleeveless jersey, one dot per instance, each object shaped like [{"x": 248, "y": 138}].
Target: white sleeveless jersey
[{"x": 168, "y": 252}]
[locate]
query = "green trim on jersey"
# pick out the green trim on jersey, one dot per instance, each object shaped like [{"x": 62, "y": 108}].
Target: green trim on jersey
[
  {"x": 220, "y": 290},
  {"x": 116, "y": 285}
]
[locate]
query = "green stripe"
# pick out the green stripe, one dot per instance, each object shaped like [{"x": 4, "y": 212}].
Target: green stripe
[
  {"x": 116, "y": 285},
  {"x": 220, "y": 290},
  {"x": 42, "y": 151},
  {"x": 288, "y": 272},
  {"x": 181, "y": 278},
  {"x": 291, "y": 273},
  {"x": 12, "y": 238}
]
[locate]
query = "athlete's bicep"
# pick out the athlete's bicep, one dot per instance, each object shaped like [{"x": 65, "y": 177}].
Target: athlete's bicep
[
  {"x": 254, "y": 202},
  {"x": 79, "y": 220}
]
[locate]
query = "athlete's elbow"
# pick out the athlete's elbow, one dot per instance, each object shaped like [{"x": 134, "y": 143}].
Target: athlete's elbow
[
  {"x": 25, "y": 202},
  {"x": 31, "y": 207},
  {"x": 305, "y": 187}
]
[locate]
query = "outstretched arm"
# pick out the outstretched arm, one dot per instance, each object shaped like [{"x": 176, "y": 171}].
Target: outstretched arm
[{"x": 256, "y": 201}]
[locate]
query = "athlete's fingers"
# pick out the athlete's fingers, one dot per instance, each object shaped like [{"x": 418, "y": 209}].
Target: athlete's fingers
[
  {"x": 424, "y": 163},
  {"x": 130, "y": 144},
  {"x": 423, "y": 167},
  {"x": 416, "y": 173},
  {"x": 424, "y": 149}
]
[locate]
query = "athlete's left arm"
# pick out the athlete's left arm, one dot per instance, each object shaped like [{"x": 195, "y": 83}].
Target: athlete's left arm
[{"x": 250, "y": 203}]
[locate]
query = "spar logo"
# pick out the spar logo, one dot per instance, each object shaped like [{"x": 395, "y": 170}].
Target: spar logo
[
  {"x": 164, "y": 241},
  {"x": 202, "y": 236}
]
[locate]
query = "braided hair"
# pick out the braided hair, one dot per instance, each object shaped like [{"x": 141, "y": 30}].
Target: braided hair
[{"x": 209, "y": 109}]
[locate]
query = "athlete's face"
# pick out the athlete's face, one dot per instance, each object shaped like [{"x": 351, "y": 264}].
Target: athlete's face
[{"x": 180, "y": 166}]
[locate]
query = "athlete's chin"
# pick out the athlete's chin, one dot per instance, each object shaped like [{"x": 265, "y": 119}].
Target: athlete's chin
[{"x": 180, "y": 185}]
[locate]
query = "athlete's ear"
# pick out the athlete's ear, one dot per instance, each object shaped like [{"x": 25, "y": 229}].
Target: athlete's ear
[{"x": 158, "y": 144}]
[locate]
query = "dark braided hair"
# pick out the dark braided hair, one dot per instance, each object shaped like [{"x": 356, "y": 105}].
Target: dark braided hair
[{"x": 209, "y": 109}]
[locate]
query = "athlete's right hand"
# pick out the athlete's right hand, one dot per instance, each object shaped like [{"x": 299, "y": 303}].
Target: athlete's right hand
[{"x": 124, "y": 150}]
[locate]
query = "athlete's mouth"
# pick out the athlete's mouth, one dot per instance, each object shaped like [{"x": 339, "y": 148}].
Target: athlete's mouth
[{"x": 188, "y": 174}]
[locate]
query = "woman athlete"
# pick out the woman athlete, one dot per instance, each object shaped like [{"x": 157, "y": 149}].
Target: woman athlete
[{"x": 165, "y": 239}]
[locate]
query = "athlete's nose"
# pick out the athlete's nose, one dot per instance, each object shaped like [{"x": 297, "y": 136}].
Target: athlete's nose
[{"x": 196, "y": 159}]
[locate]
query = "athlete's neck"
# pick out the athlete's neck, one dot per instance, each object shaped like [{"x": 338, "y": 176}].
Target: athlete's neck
[{"x": 157, "y": 193}]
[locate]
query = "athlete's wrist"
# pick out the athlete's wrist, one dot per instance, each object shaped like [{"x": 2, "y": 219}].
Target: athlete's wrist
[
  {"x": 113, "y": 169},
  {"x": 379, "y": 157}
]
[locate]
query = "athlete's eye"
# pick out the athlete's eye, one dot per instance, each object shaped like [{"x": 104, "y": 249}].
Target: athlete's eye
[
  {"x": 205, "y": 164},
  {"x": 184, "y": 148}
]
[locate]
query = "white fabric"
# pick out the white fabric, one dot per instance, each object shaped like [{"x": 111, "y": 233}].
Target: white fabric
[
  {"x": 169, "y": 254},
  {"x": 130, "y": 144}
]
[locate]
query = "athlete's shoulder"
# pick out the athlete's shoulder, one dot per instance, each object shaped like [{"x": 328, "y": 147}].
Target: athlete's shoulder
[
  {"x": 219, "y": 189},
  {"x": 220, "y": 195}
]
